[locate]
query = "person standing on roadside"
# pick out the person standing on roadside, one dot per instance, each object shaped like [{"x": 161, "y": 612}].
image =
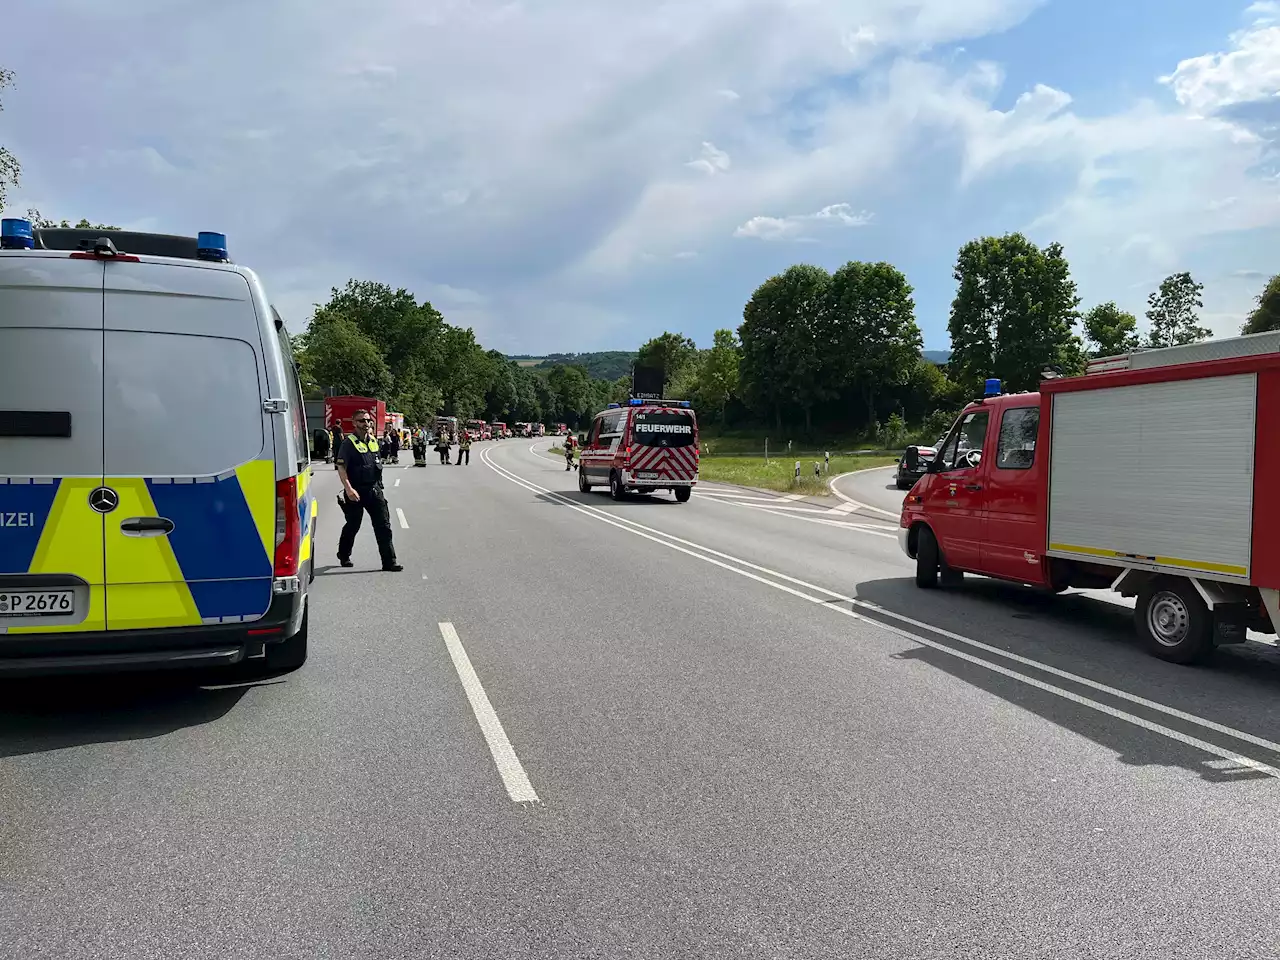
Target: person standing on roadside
[
  {"x": 337, "y": 443},
  {"x": 361, "y": 476},
  {"x": 464, "y": 449}
]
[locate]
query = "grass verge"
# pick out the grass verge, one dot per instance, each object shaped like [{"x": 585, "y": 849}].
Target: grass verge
[{"x": 780, "y": 474}]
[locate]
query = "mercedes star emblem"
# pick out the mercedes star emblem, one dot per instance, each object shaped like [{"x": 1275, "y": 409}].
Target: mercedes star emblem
[{"x": 104, "y": 499}]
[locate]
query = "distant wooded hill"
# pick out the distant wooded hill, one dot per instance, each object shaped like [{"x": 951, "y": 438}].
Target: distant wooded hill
[
  {"x": 612, "y": 364},
  {"x": 606, "y": 365}
]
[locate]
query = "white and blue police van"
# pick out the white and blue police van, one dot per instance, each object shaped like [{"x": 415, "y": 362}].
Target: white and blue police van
[{"x": 156, "y": 509}]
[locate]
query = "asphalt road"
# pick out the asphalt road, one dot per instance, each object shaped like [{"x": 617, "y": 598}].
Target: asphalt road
[
  {"x": 875, "y": 488},
  {"x": 728, "y": 728}
]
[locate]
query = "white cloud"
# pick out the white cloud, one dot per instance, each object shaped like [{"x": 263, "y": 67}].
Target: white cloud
[
  {"x": 1265, "y": 11},
  {"x": 797, "y": 226},
  {"x": 712, "y": 161},
  {"x": 1248, "y": 73}
]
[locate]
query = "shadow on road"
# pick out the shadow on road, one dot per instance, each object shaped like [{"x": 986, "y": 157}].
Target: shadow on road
[
  {"x": 40, "y": 715},
  {"x": 1093, "y": 639},
  {"x": 602, "y": 499}
]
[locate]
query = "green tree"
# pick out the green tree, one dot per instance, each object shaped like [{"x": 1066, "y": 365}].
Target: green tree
[
  {"x": 1110, "y": 330},
  {"x": 1266, "y": 315},
  {"x": 1171, "y": 311},
  {"x": 10, "y": 169},
  {"x": 673, "y": 353},
  {"x": 1013, "y": 313},
  {"x": 872, "y": 317},
  {"x": 337, "y": 355},
  {"x": 573, "y": 393},
  {"x": 762, "y": 376},
  {"x": 39, "y": 220},
  {"x": 718, "y": 375}
]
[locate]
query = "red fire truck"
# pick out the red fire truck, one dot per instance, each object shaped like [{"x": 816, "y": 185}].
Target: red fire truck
[
  {"x": 338, "y": 410},
  {"x": 1156, "y": 474}
]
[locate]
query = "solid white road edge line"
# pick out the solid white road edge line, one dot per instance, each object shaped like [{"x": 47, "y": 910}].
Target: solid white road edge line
[
  {"x": 672, "y": 541},
  {"x": 404, "y": 524},
  {"x": 858, "y": 504},
  {"x": 509, "y": 767}
]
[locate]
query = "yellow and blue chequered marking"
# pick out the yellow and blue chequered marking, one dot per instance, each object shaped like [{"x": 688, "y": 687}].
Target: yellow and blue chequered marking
[
  {"x": 49, "y": 528},
  {"x": 215, "y": 566}
]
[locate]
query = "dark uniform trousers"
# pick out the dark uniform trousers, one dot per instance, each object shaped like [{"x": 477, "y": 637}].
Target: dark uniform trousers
[
  {"x": 373, "y": 503},
  {"x": 464, "y": 452}
]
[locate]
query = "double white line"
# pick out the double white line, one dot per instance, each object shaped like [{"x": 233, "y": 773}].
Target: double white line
[{"x": 823, "y": 597}]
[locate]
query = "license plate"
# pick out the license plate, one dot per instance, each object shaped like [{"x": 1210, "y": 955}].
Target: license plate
[
  {"x": 37, "y": 603},
  {"x": 648, "y": 476}
]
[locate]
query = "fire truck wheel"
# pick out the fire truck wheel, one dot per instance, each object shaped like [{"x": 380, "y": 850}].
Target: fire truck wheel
[
  {"x": 582, "y": 481},
  {"x": 1173, "y": 621},
  {"x": 683, "y": 494},
  {"x": 616, "y": 489},
  {"x": 926, "y": 559}
]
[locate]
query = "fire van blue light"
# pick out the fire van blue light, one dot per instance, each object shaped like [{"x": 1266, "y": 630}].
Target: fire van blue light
[
  {"x": 211, "y": 246},
  {"x": 15, "y": 234},
  {"x": 992, "y": 388}
]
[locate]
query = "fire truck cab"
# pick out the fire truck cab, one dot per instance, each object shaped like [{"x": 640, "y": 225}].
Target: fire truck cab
[
  {"x": 1156, "y": 474},
  {"x": 646, "y": 446}
]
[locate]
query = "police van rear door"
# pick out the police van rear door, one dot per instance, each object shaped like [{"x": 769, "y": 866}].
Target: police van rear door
[
  {"x": 189, "y": 448},
  {"x": 51, "y": 423},
  {"x": 664, "y": 445}
]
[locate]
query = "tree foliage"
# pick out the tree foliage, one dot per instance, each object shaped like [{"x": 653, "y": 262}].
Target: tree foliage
[
  {"x": 10, "y": 169},
  {"x": 718, "y": 373},
  {"x": 1110, "y": 330},
  {"x": 1266, "y": 315},
  {"x": 1013, "y": 313},
  {"x": 40, "y": 220},
  {"x": 673, "y": 353},
  {"x": 874, "y": 336},
  {"x": 1171, "y": 311}
]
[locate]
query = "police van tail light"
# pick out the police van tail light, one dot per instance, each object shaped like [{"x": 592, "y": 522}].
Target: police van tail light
[{"x": 288, "y": 528}]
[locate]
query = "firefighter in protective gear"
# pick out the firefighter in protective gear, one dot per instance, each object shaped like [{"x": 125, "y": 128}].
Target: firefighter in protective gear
[
  {"x": 569, "y": 443},
  {"x": 464, "y": 449},
  {"x": 361, "y": 476},
  {"x": 419, "y": 448}
]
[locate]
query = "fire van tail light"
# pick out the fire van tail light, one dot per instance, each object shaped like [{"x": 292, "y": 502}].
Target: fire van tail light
[
  {"x": 288, "y": 528},
  {"x": 626, "y": 459}
]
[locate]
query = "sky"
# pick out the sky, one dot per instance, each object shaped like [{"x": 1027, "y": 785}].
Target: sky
[{"x": 576, "y": 175}]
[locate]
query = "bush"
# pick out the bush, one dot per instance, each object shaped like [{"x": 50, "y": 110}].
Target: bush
[
  {"x": 893, "y": 433},
  {"x": 935, "y": 426}
]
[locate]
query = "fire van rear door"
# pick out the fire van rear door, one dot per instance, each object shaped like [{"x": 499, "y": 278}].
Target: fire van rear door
[{"x": 664, "y": 446}]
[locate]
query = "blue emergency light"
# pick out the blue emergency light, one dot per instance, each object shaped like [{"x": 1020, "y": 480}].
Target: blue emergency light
[
  {"x": 211, "y": 246},
  {"x": 614, "y": 406},
  {"x": 15, "y": 234},
  {"x": 635, "y": 402},
  {"x": 992, "y": 388}
]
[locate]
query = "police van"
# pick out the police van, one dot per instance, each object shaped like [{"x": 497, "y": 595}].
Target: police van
[
  {"x": 646, "y": 446},
  {"x": 156, "y": 508}
]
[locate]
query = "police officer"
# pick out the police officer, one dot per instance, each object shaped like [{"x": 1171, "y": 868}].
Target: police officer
[
  {"x": 361, "y": 477},
  {"x": 464, "y": 448}
]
